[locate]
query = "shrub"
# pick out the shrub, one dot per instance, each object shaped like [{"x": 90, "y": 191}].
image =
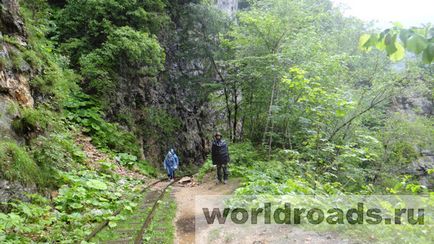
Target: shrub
[
  {"x": 32, "y": 58},
  {"x": 243, "y": 153},
  {"x": 5, "y": 63},
  {"x": 126, "y": 53},
  {"x": 18, "y": 61}
]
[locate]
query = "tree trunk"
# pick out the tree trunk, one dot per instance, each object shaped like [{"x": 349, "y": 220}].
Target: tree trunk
[
  {"x": 142, "y": 150},
  {"x": 269, "y": 110},
  {"x": 229, "y": 111},
  {"x": 235, "y": 120},
  {"x": 270, "y": 138}
]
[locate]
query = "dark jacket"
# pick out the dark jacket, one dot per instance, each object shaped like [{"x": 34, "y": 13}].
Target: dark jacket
[{"x": 219, "y": 152}]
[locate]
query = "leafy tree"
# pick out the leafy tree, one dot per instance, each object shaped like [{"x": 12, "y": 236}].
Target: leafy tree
[
  {"x": 126, "y": 54},
  {"x": 84, "y": 27}
]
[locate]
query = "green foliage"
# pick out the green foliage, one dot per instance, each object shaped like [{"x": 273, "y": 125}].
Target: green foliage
[
  {"x": 18, "y": 62},
  {"x": 85, "y": 198},
  {"x": 84, "y": 111},
  {"x": 126, "y": 53},
  {"x": 289, "y": 77},
  {"x": 85, "y": 27},
  {"x": 397, "y": 39},
  {"x": 406, "y": 185},
  {"x": 51, "y": 144},
  {"x": 243, "y": 153},
  {"x": 126, "y": 159},
  {"x": 17, "y": 165},
  {"x": 56, "y": 152},
  {"x": 56, "y": 81},
  {"x": 26, "y": 217},
  {"x": 32, "y": 121},
  {"x": 145, "y": 168},
  {"x": 5, "y": 63},
  {"x": 53, "y": 81},
  {"x": 132, "y": 162},
  {"x": 206, "y": 168},
  {"x": 164, "y": 216}
]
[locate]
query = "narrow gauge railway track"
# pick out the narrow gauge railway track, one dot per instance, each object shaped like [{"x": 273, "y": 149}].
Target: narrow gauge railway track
[{"x": 137, "y": 236}]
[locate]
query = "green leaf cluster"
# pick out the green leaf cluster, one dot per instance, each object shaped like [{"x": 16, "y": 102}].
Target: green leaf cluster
[
  {"x": 396, "y": 40},
  {"x": 86, "y": 112}
]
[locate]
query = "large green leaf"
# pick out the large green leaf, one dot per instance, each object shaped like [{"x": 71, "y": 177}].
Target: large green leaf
[
  {"x": 363, "y": 40},
  {"x": 76, "y": 205},
  {"x": 96, "y": 184},
  {"x": 416, "y": 43},
  {"x": 367, "y": 41},
  {"x": 399, "y": 53},
  {"x": 391, "y": 44},
  {"x": 428, "y": 54},
  {"x": 404, "y": 35}
]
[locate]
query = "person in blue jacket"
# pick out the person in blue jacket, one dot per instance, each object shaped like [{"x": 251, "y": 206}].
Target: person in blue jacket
[{"x": 171, "y": 163}]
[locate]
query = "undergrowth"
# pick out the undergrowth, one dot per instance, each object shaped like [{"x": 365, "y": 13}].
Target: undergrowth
[
  {"x": 85, "y": 198},
  {"x": 85, "y": 111}
]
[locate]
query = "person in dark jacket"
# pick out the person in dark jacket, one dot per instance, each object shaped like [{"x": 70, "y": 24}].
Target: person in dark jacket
[{"x": 220, "y": 157}]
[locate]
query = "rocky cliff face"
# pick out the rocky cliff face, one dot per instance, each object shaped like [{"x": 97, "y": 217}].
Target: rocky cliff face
[
  {"x": 132, "y": 97},
  {"x": 418, "y": 102},
  {"x": 178, "y": 91},
  {"x": 14, "y": 84},
  {"x": 179, "y": 102},
  {"x": 15, "y": 73},
  {"x": 229, "y": 6},
  {"x": 135, "y": 96}
]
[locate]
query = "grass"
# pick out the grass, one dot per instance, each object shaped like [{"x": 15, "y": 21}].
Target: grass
[
  {"x": 32, "y": 120},
  {"x": 17, "y": 165},
  {"x": 205, "y": 169}
]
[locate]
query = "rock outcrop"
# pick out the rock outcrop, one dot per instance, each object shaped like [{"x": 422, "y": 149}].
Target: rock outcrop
[
  {"x": 418, "y": 102},
  {"x": 10, "y": 20},
  {"x": 15, "y": 73},
  {"x": 229, "y": 6},
  {"x": 14, "y": 190}
]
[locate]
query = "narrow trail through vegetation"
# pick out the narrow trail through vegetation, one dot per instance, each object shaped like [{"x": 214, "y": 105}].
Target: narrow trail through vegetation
[{"x": 185, "y": 209}]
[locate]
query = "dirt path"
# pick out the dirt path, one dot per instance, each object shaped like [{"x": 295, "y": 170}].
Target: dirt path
[
  {"x": 185, "y": 196},
  {"x": 185, "y": 221}
]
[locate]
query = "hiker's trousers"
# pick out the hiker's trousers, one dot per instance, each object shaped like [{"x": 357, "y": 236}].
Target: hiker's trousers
[
  {"x": 171, "y": 173},
  {"x": 222, "y": 168}
]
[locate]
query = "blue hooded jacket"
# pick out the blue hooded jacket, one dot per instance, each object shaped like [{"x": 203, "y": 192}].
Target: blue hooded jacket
[{"x": 171, "y": 161}]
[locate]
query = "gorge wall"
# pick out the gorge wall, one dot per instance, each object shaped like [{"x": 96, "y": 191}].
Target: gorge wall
[{"x": 15, "y": 73}]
